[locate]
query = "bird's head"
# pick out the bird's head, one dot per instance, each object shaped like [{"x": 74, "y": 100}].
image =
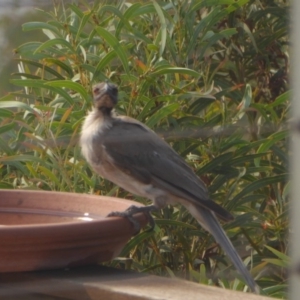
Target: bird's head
[{"x": 105, "y": 96}]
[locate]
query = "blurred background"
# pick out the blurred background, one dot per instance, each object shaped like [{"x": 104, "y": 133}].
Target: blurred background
[{"x": 12, "y": 15}]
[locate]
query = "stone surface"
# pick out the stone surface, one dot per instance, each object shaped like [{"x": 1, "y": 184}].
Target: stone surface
[{"x": 98, "y": 282}]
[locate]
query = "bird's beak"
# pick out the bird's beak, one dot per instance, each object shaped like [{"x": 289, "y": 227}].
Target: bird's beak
[{"x": 112, "y": 91}]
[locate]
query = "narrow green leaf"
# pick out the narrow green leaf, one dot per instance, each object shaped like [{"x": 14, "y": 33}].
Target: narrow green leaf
[
  {"x": 279, "y": 254},
  {"x": 70, "y": 85},
  {"x": 86, "y": 17},
  {"x": 21, "y": 158},
  {"x": 102, "y": 63},
  {"x": 245, "y": 27},
  {"x": 136, "y": 240},
  {"x": 28, "y": 50},
  {"x": 4, "y": 146},
  {"x": 155, "y": 119},
  {"x": 39, "y": 25},
  {"x": 62, "y": 122},
  {"x": 218, "y": 182},
  {"x": 163, "y": 27},
  {"x": 6, "y": 185},
  {"x": 32, "y": 170},
  {"x": 251, "y": 198},
  {"x": 26, "y": 75},
  {"x": 201, "y": 28},
  {"x": 16, "y": 104},
  {"x": 213, "y": 164},
  {"x": 174, "y": 70},
  {"x": 276, "y": 262},
  {"x": 239, "y": 221},
  {"x": 200, "y": 104},
  {"x": 143, "y": 10},
  {"x": 174, "y": 223},
  {"x": 55, "y": 42},
  {"x": 227, "y": 33},
  {"x": 245, "y": 103},
  {"x": 146, "y": 109},
  {"x": 81, "y": 50},
  {"x": 88, "y": 67},
  {"x": 242, "y": 160},
  {"x": 258, "y": 184},
  {"x": 41, "y": 66},
  {"x": 76, "y": 10},
  {"x": 269, "y": 142},
  {"x": 282, "y": 99},
  {"x": 5, "y": 113},
  {"x": 29, "y": 82},
  {"x": 7, "y": 127},
  {"x": 45, "y": 84},
  {"x": 170, "y": 272},
  {"x": 60, "y": 64},
  {"x": 50, "y": 175},
  {"x": 115, "y": 44},
  {"x": 124, "y": 19}
]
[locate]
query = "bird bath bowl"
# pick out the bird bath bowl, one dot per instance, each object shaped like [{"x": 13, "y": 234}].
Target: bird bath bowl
[{"x": 47, "y": 230}]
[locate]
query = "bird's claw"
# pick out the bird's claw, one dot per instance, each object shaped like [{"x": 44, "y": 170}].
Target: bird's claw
[{"x": 132, "y": 210}]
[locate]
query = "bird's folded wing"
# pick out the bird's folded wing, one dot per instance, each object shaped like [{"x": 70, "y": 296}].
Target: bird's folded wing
[{"x": 147, "y": 158}]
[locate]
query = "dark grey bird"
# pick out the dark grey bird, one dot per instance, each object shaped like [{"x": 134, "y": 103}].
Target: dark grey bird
[{"x": 128, "y": 153}]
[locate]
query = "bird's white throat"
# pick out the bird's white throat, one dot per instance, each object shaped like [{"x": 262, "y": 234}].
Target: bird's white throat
[{"x": 93, "y": 125}]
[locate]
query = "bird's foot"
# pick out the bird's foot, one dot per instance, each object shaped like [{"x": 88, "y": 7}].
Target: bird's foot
[{"x": 132, "y": 210}]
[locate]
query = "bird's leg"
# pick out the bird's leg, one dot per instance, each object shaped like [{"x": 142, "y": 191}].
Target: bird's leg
[
  {"x": 146, "y": 210},
  {"x": 132, "y": 210}
]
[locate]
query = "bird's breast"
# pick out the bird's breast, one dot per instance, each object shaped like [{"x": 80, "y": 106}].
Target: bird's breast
[{"x": 93, "y": 127}]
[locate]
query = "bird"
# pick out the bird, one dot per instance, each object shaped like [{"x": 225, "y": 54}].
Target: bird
[{"x": 131, "y": 155}]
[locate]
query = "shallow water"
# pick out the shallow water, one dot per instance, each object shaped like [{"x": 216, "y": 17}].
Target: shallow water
[{"x": 16, "y": 216}]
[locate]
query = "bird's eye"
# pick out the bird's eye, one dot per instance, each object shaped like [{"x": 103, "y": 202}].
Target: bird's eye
[{"x": 96, "y": 91}]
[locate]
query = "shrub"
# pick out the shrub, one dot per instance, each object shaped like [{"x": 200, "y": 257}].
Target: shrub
[{"x": 208, "y": 76}]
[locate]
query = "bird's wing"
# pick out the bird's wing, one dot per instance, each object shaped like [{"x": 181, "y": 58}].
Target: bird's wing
[{"x": 139, "y": 152}]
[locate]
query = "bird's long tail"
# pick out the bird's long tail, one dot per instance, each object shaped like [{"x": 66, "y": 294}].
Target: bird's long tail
[{"x": 211, "y": 224}]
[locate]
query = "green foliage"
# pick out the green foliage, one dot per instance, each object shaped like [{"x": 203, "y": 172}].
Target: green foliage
[{"x": 208, "y": 76}]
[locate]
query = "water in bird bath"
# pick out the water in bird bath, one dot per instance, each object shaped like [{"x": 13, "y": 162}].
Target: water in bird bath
[{"x": 24, "y": 216}]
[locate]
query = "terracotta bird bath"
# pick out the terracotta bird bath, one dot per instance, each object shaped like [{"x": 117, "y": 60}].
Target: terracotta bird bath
[{"x": 48, "y": 230}]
